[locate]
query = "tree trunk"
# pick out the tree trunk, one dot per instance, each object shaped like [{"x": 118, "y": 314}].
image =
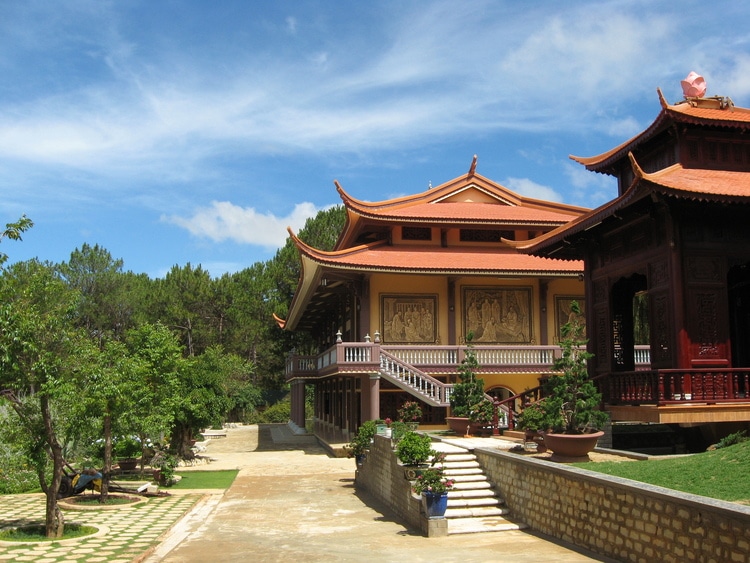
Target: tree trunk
[
  {"x": 181, "y": 437},
  {"x": 54, "y": 520},
  {"x": 107, "y": 470}
]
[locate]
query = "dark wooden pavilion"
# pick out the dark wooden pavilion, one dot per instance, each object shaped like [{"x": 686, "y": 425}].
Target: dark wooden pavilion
[{"x": 667, "y": 263}]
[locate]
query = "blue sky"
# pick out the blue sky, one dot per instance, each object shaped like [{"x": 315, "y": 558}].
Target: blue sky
[{"x": 174, "y": 132}]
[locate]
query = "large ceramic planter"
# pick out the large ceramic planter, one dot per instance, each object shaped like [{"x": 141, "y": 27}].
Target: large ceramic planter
[
  {"x": 461, "y": 425},
  {"x": 435, "y": 504},
  {"x": 572, "y": 445},
  {"x": 128, "y": 463}
]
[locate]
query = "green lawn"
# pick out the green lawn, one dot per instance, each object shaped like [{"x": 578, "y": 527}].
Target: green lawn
[
  {"x": 205, "y": 479},
  {"x": 721, "y": 474}
]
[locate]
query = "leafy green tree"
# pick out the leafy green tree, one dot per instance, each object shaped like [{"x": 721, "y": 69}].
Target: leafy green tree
[
  {"x": 38, "y": 348},
  {"x": 201, "y": 400},
  {"x": 107, "y": 378},
  {"x": 13, "y": 232},
  {"x": 159, "y": 364},
  {"x": 470, "y": 390},
  {"x": 98, "y": 277},
  {"x": 184, "y": 297}
]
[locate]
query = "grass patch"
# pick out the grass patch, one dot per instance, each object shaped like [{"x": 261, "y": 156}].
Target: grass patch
[
  {"x": 720, "y": 474},
  {"x": 206, "y": 479},
  {"x": 36, "y": 533}
]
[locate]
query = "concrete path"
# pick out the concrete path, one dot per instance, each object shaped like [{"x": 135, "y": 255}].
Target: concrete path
[{"x": 292, "y": 502}]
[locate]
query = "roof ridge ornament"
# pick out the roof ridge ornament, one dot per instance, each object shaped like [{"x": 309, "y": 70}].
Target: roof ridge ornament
[
  {"x": 694, "y": 85},
  {"x": 473, "y": 168}
]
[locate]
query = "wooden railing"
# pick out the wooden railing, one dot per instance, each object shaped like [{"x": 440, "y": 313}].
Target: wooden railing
[{"x": 670, "y": 386}]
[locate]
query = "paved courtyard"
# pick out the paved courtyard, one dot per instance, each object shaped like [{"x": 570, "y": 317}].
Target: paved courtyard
[{"x": 290, "y": 502}]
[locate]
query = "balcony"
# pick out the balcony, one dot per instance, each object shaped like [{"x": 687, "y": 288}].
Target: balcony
[{"x": 365, "y": 357}]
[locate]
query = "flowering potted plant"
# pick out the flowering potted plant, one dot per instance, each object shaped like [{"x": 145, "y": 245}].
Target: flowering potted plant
[
  {"x": 433, "y": 486},
  {"x": 360, "y": 443},
  {"x": 410, "y": 413},
  {"x": 432, "y": 480}
]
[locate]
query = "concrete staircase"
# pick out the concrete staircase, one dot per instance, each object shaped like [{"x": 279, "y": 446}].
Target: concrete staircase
[{"x": 473, "y": 505}]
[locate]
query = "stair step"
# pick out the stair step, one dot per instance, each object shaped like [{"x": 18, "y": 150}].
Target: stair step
[
  {"x": 472, "y": 485},
  {"x": 459, "y": 457},
  {"x": 482, "y": 524},
  {"x": 472, "y": 494},
  {"x": 461, "y": 465},
  {"x": 476, "y": 512},
  {"x": 465, "y": 475},
  {"x": 474, "y": 502}
]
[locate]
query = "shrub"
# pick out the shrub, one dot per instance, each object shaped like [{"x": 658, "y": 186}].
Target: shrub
[
  {"x": 414, "y": 449},
  {"x": 279, "y": 412},
  {"x": 410, "y": 411},
  {"x": 732, "y": 439}
]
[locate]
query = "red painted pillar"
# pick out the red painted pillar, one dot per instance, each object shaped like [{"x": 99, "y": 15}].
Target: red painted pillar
[{"x": 374, "y": 396}]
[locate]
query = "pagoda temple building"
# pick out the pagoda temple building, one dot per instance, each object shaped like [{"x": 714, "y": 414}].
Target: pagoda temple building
[
  {"x": 390, "y": 307},
  {"x": 667, "y": 264}
]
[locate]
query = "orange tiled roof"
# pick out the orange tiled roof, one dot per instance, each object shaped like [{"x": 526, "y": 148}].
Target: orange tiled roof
[
  {"x": 499, "y": 195},
  {"x": 676, "y": 181},
  {"x": 698, "y": 112},
  {"x": 472, "y": 213},
  {"x": 700, "y": 183},
  {"x": 425, "y": 259}
]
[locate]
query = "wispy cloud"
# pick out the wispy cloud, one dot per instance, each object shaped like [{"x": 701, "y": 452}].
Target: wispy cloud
[
  {"x": 223, "y": 221},
  {"x": 514, "y": 71},
  {"x": 529, "y": 188}
]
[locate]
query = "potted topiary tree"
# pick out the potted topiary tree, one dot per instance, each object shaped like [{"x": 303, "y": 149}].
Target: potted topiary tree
[
  {"x": 570, "y": 412},
  {"x": 413, "y": 451},
  {"x": 467, "y": 393}
]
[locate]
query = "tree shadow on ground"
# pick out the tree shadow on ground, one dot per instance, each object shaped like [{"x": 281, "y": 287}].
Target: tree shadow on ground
[{"x": 286, "y": 441}]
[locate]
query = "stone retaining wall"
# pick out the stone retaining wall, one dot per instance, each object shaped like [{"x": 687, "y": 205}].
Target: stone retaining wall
[
  {"x": 382, "y": 476},
  {"x": 620, "y": 518}
]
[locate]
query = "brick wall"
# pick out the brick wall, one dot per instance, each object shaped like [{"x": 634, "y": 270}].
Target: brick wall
[{"x": 623, "y": 519}]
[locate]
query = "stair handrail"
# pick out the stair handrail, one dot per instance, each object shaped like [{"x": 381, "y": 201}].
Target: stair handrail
[{"x": 414, "y": 381}]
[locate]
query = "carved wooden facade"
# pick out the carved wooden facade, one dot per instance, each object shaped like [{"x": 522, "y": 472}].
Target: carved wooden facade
[{"x": 677, "y": 235}]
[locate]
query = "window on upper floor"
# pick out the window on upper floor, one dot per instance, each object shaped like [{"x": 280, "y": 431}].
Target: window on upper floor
[
  {"x": 486, "y": 235},
  {"x": 416, "y": 233}
]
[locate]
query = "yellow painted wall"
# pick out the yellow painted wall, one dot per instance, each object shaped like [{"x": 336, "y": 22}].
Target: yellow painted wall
[
  {"x": 516, "y": 382},
  {"x": 395, "y": 284}
]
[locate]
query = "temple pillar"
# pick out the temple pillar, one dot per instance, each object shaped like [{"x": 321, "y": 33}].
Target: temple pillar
[{"x": 374, "y": 397}]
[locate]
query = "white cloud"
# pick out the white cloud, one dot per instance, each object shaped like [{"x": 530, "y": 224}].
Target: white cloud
[
  {"x": 590, "y": 189},
  {"x": 291, "y": 25},
  {"x": 529, "y": 188},
  {"x": 427, "y": 79},
  {"x": 223, "y": 221}
]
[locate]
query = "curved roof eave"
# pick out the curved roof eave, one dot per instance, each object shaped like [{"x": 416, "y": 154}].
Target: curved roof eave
[{"x": 688, "y": 111}]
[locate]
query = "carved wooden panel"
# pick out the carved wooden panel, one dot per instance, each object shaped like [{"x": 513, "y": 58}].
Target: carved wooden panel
[
  {"x": 601, "y": 336},
  {"x": 704, "y": 269},
  {"x": 658, "y": 274},
  {"x": 661, "y": 348}
]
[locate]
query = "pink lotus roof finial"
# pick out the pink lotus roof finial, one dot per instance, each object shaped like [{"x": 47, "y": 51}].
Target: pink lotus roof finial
[{"x": 694, "y": 86}]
